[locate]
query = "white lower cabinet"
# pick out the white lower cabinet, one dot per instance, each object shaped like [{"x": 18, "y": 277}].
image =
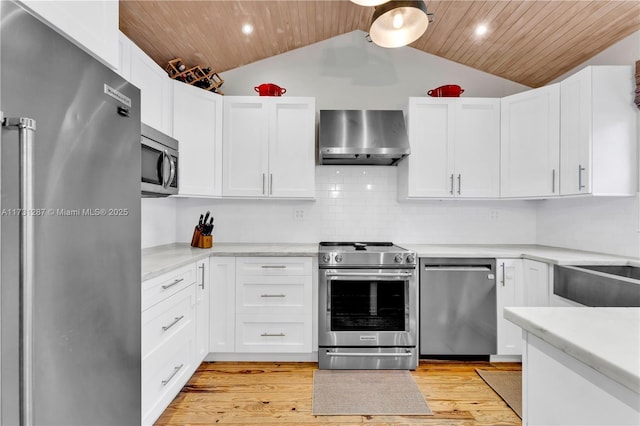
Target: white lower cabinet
[
  {"x": 203, "y": 300},
  {"x": 168, "y": 338},
  {"x": 520, "y": 282},
  {"x": 509, "y": 292},
  {"x": 223, "y": 304},
  {"x": 537, "y": 282},
  {"x": 262, "y": 306}
]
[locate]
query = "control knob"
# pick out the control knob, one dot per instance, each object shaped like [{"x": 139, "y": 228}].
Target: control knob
[
  {"x": 338, "y": 258},
  {"x": 398, "y": 258},
  {"x": 411, "y": 258},
  {"x": 326, "y": 258}
]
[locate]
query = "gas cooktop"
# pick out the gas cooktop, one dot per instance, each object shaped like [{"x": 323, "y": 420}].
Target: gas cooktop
[{"x": 371, "y": 254}]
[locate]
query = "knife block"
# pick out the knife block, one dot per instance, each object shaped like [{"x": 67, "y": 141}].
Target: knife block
[
  {"x": 206, "y": 241},
  {"x": 201, "y": 241},
  {"x": 197, "y": 235}
]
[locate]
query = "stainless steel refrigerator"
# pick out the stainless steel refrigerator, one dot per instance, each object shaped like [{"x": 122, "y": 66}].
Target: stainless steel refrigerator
[{"x": 70, "y": 233}]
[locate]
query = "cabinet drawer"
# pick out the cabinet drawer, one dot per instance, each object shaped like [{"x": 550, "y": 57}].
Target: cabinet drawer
[
  {"x": 273, "y": 295},
  {"x": 166, "y": 319},
  {"x": 269, "y": 266},
  {"x": 164, "y": 372},
  {"x": 273, "y": 333},
  {"x": 159, "y": 288}
]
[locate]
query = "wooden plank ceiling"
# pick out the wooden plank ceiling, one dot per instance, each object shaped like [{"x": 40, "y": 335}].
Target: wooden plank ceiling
[{"x": 530, "y": 42}]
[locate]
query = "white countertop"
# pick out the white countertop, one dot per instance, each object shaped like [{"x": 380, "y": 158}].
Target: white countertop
[
  {"x": 554, "y": 255},
  {"x": 605, "y": 339},
  {"x": 161, "y": 259}
]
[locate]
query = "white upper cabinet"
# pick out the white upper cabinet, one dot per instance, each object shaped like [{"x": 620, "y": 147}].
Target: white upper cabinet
[
  {"x": 245, "y": 147},
  {"x": 91, "y": 25},
  {"x": 530, "y": 143},
  {"x": 455, "y": 149},
  {"x": 156, "y": 88},
  {"x": 292, "y": 158},
  {"x": 477, "y": 148},
  {"x": 269, "y": 147},
  {"x": 598, "y": 132},
  {"x": 197, "y": 125},
  {"x": 426, "y": 173}
]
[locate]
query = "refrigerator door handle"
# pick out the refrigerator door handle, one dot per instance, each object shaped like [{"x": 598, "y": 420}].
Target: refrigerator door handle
[{"x": 26, "y": 136}]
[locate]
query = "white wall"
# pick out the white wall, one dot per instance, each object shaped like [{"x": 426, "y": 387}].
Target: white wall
[
  {"x": 609, "y": 225},
  {"x": 348, "y": 72},
  {"x": 360, "y": 203},
  {"x": 158, "y": 221}
]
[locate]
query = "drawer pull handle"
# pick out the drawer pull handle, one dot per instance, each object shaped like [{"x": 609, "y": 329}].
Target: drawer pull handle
[
  {"x": 273, "y": 295},
  {"x": 175, "y": 371},
  {"x": 175, "y": 321},
  {"x": 178, "y": 281},
  {"x": 274, "y": 266},
  {"x": 272, "y": 335}
]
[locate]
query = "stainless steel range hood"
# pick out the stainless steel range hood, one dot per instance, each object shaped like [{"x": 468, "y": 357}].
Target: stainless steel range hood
[{"x": 362, "y": 137}]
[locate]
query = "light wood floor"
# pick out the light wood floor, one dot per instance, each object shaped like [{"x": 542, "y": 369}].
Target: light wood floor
[{"x": 250, "y": 393}]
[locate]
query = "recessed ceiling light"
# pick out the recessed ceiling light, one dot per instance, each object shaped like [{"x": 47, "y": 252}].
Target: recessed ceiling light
[
  {"x": 481, "y": 29},
  {"x": 247, "y": 29}
]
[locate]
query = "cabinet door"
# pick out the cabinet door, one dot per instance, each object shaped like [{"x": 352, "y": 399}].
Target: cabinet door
[
  {"x": 203, "y": 302},
  {"x": 92, "y": 25},
  {"x": 245, "y": 146},
  {"x": 156, "y": 90},
  {"x": 430, "y": 165},
  {"x": 197, "y": 125},
  {"x": 536, "y": 283},
  {"x": 222, "y": 314},
  {"x": 530, "y": 137},
  {"x": 477, "y": 148},
  {"x": 575, "y": 133},
  {"x": 292, "y": 147},
  {"x": 509, "y": 293}
]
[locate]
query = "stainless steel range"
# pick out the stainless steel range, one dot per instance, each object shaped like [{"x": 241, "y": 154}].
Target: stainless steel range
[{"x": 368, "y": 306}]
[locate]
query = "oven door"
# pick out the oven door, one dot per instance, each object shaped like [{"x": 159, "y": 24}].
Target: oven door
[{"x": 368, "y": 307}]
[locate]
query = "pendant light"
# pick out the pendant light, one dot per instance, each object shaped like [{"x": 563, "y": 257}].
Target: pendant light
[
  {"x": 398, "y": 23},
  {"x": 368, "y": 2}
]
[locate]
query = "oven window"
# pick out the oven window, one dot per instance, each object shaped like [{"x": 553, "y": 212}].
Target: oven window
[{"x": 368, "y": 305}]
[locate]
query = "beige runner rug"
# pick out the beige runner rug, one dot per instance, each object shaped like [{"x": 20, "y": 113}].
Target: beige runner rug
[
  {"x": 507, "y": 384},
  {"x": 367, "y": 392}
]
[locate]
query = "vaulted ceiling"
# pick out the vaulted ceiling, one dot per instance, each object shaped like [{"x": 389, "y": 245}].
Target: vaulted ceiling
[{"x": 530, "y": 42}]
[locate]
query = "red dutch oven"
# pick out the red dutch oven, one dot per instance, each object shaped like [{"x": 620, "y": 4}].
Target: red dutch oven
[
  {"x": 447, "y": 91},
  {"x": 269, "y": 89}
]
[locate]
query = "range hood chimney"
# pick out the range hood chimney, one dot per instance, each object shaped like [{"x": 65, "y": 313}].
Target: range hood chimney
[{"x": 362, "y": 137}]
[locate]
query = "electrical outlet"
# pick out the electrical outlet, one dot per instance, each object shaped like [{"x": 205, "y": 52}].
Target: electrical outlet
[
  {"x": 298, "y": 214},
  {"x": 494, "y": 215}
]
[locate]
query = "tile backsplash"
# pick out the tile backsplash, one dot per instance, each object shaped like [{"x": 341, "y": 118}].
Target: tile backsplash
[{"x": 360, "y": 203}]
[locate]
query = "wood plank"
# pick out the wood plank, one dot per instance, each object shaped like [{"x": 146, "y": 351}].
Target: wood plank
[
  {"x": 531, "y": 42},
  {"x": 235, "y": 393}
]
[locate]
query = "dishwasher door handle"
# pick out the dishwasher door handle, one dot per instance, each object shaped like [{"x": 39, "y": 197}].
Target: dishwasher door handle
[{"x": 457, "y": 269}]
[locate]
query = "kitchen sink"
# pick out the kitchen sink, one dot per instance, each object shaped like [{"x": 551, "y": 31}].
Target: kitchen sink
[
  {"x": 620, "y": 270},
  {"x": 598, "y": 285}
]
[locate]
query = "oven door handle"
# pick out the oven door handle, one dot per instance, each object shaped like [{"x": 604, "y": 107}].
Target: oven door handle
[
  {"x": 370, "y": 354},
  {"x": 375, "y": 275}
]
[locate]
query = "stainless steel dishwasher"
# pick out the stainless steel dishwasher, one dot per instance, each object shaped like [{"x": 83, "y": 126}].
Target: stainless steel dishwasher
[{"x": 457, "y": 306}]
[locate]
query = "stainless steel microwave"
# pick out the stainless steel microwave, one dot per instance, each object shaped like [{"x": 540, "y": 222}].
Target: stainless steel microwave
[{"x": 159, "y": 163}]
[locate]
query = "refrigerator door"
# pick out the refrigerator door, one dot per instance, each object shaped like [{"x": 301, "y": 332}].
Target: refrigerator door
[{"x": 86, "y": 303}]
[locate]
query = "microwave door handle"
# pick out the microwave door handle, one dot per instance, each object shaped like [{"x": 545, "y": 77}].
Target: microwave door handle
[
  {"x": 172, "y": 173},
  {"x": 166, "y": 161}
]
